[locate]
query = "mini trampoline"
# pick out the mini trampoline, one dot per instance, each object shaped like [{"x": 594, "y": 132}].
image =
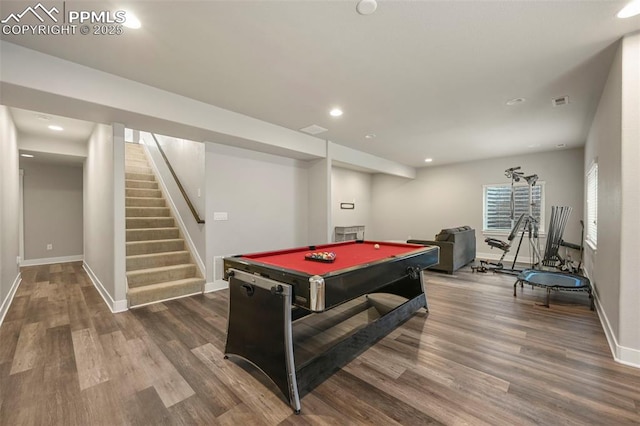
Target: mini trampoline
[{"x": 554, "y": 281}]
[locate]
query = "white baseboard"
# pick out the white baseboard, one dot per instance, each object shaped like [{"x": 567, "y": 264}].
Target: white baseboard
[
  {"x": 621, "y": 354},
  {"x": 114, "y": 305},
  {"x": 216, "y": 285},
  {"x": 52, "y": 260},
  {"x": 4, "y": 307}
]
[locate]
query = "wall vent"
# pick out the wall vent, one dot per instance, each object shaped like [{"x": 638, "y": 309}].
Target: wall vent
[
  {"x": 564, "y": 100},
  {"x": 314, "y": 129}
]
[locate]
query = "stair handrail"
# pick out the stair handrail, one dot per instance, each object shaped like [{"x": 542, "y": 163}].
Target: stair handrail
[{"x": 194, "y": 212}]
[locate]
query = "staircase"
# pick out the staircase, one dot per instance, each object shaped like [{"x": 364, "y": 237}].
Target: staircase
[{"x": 159, "y": 265}]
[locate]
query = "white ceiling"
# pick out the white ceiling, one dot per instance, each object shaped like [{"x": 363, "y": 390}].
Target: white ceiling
[
  {"x": 428, "y": 78},
  {"x": 33, "y": 123}
]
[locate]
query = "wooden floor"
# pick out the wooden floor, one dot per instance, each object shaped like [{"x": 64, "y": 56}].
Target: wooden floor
[{"x": 480, "y": 356}]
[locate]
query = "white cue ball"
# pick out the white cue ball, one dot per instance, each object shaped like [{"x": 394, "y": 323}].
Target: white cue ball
[{"x": 377, "y": 246}]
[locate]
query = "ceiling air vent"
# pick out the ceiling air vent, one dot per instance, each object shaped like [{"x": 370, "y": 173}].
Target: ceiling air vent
[
  {"x": 314, "y": 129},
  {"x": 564, "y": 100}
]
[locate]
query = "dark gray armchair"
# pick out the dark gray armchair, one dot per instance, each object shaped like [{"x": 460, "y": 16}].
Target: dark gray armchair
[{"x": 457, "y": 248}]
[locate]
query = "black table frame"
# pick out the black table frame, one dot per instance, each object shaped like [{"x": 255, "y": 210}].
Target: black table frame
[{"x": 262, "y": 310}]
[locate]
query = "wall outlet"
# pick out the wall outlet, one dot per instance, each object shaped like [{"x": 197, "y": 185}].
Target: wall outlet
[
  {"x": 18, "y": 260},
  {"x": 49, "y": 246},
  {"x": 199, "y": 193}
]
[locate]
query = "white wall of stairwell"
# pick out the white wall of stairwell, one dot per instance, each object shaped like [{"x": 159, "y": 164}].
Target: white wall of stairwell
[{"x": 193, "y": 232}]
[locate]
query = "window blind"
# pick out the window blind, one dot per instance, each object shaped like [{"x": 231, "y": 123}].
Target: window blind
[{"x": 497, "y": 205}]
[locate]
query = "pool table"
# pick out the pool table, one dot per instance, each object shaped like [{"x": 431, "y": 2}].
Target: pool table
[{"x": 269, "y": 291}]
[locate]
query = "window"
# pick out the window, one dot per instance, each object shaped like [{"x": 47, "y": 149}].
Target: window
[
  {"x": 592, "y": 206},
  {"x": 497, "y": 206}
]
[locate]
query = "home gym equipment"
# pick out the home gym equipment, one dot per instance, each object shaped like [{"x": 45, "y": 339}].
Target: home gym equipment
[
  {"x": 557, "y": 223},
  {"x": 505, "y": 246},
  {"x": 557, "y": 281},
  {"x": 530, "y": 226},
  {"x": 567, "y": 262}
]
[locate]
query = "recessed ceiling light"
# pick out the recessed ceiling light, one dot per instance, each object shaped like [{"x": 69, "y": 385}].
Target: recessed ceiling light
[
  {"x": 428, "y": 160},
  {"x": 515, "y": 101},
  {"x": 366, "y": 7},
  {"x": 370, "y": 136},
  {"x": 561, "y": 145},
  {"x": 56, "y": 128},
  {"x": 131, "y": 20},
  {"x": 26, "y": 155},
  {"x": 631, "y": 9},
  {"x": 335, "y": 112}
]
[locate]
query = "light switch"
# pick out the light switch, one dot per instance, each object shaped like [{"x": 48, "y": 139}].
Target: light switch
[{"x": 220, "y": 216}]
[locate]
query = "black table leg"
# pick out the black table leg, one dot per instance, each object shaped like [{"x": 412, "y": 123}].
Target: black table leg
[{"x": 259, "y": 329}]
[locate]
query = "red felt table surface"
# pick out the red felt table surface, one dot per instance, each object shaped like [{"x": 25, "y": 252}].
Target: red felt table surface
[{"x": 348, "y": 254}]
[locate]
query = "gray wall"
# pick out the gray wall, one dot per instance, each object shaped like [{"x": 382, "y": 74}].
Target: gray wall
[
  {"x": 452, "y": 195},
  {"x": 9, "y": 199},
  {"x": 52, "y": 210},
  {"x": 319, "y": 196},
  {"x": 104, "y": 213},
  {"x": 264, "y": 196},
  {"x": 630, "y": 236},
  {"x": 603, "y": 145},
  {"x": 613, "y": 141},
  {"x": 350, "y": 186}
]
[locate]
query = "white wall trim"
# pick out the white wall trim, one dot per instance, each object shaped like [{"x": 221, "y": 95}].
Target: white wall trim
[
  {"x": 119, "y": 213},
  {"x": 52, "y": 260},
  {"x": 174, "y": 211},
  {"x": 4, "y": 307},
  {"x": 114, "y": 305},
  {"x": 21, "y": 217},
  {"x": 216, "y": 285},
  {"x": 621, "y": 354}
]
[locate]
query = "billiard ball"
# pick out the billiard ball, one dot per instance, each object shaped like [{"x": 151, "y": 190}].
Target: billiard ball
[{"x": 377, "y": 246}]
